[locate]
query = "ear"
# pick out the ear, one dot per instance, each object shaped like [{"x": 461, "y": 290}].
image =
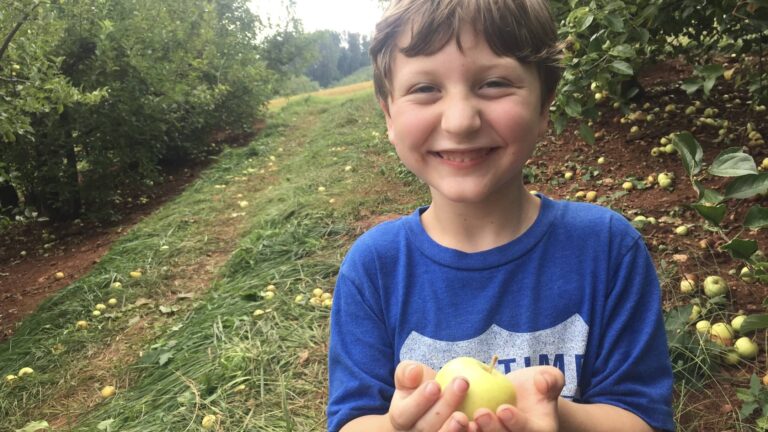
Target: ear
[{"x": 390, "y": 128}]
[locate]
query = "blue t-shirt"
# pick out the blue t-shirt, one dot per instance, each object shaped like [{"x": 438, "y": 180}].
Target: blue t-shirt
[{"x": 577, "y": 291}]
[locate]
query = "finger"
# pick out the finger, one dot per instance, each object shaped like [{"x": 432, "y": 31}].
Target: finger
[
  {"x": 408, "y": 375},
  {"x": 549, "y": 382},
  {"x": 403, "y": 414},
  {"x": 458, "y": 422},
  {"x": 487, "y": 421},
  {"x": 452, "y": 396},
  {"x": 511, "y": 418}
]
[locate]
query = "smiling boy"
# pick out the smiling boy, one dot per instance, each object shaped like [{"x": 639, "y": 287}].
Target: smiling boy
[{"x": 564, "y": 293}]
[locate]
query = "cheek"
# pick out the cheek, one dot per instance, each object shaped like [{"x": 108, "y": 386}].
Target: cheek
[
  {"x": 517, "y": 125},
  {"x": 411, "y": 127}
]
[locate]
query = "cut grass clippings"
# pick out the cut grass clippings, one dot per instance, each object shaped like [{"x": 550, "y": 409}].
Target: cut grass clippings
[{"x": 278, "y": 212}]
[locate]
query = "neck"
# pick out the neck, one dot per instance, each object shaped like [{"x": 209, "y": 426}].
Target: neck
[{"x": 475, "y": 227}]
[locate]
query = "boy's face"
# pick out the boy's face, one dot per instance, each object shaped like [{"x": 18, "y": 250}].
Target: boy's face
[{"x": 465, "y": 122}]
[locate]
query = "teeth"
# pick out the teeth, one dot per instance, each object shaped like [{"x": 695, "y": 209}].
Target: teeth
[{"x": 464, "y": 156}]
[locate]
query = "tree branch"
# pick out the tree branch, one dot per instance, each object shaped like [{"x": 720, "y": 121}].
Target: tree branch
[{"x": 9, "y": 38}]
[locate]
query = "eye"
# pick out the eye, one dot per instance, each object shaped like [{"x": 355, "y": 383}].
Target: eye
[
  {"x": 423, "y": 89},
  {"x": 496, "y": 83}
]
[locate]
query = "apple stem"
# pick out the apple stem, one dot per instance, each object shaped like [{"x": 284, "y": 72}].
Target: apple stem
[{"x": 494, "y": 359}]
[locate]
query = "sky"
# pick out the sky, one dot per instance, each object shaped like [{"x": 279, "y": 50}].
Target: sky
[{"x": 358, "y": 16}]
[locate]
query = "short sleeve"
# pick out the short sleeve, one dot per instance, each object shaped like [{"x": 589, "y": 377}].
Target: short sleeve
[
  {"x": 360, "y": 358},
  {"x": 632, "y": 368}
]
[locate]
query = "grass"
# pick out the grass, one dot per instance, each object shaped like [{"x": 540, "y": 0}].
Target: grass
[{"x": 202, "y": 351}]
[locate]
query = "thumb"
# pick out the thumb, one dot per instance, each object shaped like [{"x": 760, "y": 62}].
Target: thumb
[{"x": 549, "y": 382}]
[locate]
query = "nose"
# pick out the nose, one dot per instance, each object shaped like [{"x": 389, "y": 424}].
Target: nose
[{"x": 460, "y": 116}]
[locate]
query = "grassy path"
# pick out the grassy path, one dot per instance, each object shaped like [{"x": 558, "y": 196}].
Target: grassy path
[{"x": 185, "y": 339}]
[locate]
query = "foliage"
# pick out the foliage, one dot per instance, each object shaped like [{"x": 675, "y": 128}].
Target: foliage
[
  {"x": 607, "y": 43},
  {"x": 754, "y": 398},
  {"x": 336, "y": 55},
  {"x": 99, "y": 95},
  {"x": 746, "y": 182}
]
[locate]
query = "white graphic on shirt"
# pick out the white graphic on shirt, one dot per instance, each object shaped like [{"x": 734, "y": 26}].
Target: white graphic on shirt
[{"x": 561, "y": 346}]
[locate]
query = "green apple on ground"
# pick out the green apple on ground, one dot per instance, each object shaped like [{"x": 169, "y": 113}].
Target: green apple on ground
[
  {"x": 112, "y": 302},
  {"x": 488, "y": 388},
  {"x": 703, "y": 327},
  {"x": 25, "y": 371},
  {"x": 731, "y": 357},
  {"x": 746, "y": 275},
  {"x": 695, "y": 313},
  {"x": 745, "y": 347},
  {"x": 715, "y": 286},
  {"x": 81, "y": 325},
  {"x": 721, "y": 334},
  {"x": 682, "y": 230},
  {"x": 687, "y": 286},
  {"x": 737, "y": 321}
]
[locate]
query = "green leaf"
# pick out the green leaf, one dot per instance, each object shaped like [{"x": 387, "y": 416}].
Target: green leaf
[
  {"x": 690, "y": 85},
  {"x": 733, "y": 163},
  {"x": 757, "y": 217},
  {"x": 754, "y": 322},
  {"x": 747, "y": 186},
  {"x": 741, "y": 249},
  {"x": 623, "y": 50},
  {"x": 34, "y": 426},
  {"x": 689, "y": 150},
  {"x": 622, "y": 67},
  {"x": 165, "y": 357},
  {"x": 586, "y": 134},
  {"x": 707, "y": 196},
  {"x": 573, "y": 108},
  {"x": 710, "y": 71},
  {"x": 105, "y": 425},
  {"x": 713, "y": 214},
  {"x": 615, "y": 23}
]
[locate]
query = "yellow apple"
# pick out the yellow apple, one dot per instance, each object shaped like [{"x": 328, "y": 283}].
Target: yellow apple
[
  {"x": 745, "y": 348},
  {"x": 108, "y": 392},
  {"x": 25, "y": 371},
  {"x": 81, "y": 325},
  {"x": 209, "y": 421},
  {"x": 737, "y": 321},
  {"x": 721, "y": 334},
  {"x": 488, "y": 388}
]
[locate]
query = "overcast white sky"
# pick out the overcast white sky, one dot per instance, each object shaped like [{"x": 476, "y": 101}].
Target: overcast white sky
[{"x": 358, "y": 16}]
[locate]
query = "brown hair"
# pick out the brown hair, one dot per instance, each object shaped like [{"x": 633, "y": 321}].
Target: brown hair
[{"x": 523, "y": 29}]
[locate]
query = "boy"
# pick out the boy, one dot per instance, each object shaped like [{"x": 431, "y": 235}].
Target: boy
[{"x": 564, "y": 293}]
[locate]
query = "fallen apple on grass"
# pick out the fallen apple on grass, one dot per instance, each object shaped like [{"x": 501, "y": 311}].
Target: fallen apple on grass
[
  {"x": 721, "y": 334},
  {"x": 703, "y": 327},
  {"x": 209, "y": 421},
  {"x": 81, "y": 325},
  {"x": 745, "y": 348},
  {"x": 108, "y": 392},
  {"x": 488, "y": 388},
  {"x": 715, "y": 286},
  {"x": 737, "y": 321}
]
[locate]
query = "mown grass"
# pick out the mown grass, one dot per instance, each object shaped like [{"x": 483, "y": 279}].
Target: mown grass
[{"x": 205, "y": 352}]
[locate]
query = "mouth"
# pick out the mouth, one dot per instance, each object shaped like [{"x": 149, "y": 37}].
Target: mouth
[{"x": 464, "y": 156}]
